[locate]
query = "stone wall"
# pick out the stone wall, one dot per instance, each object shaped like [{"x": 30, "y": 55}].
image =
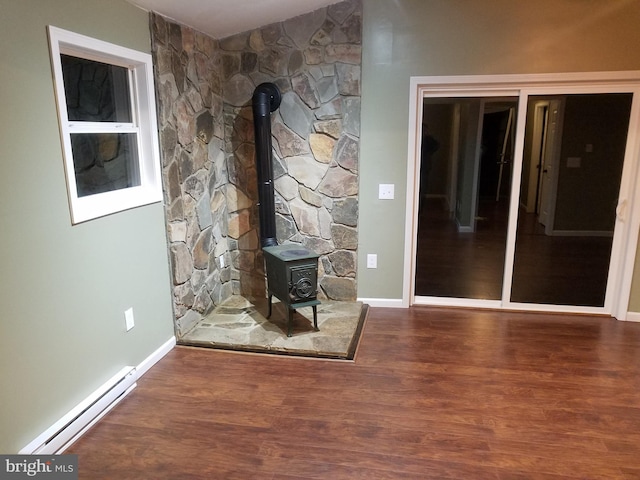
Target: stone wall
[
  {"x": 315, "y": 61},
  {"x": 206, "y": 132},
  {"x": 194, "y": 172}
]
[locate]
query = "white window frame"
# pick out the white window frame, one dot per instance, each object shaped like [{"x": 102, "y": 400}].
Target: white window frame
[{"x": 143, "y": 124}]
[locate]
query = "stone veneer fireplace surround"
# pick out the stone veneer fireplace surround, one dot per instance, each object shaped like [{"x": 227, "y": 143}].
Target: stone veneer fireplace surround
[{"x": 204, "y": 91}]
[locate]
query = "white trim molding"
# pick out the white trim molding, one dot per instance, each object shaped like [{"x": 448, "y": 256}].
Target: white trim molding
[
  {"x": 143, "y": 182},
  {"x": 581, "y": 233},
  {"x": 632, "y": 317},
  {"x": 156, "y": 356},
  {"x": 63, "y": 433},
  {"x": 384, "y": 302}
]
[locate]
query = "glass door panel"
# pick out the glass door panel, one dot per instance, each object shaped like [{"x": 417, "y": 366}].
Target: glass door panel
[
  {"x": 572, "y": 167},
  {"x": 464, "y": 189}
]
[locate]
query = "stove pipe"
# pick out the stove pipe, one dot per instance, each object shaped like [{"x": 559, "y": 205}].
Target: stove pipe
[{"x": 266, "y": 99}]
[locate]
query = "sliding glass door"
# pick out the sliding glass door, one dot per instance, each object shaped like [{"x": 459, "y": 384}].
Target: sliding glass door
[
  {"x": 571, "y": 173},
  {"x": 465, "y": 180},
  {"x": 517, "y": 195}
]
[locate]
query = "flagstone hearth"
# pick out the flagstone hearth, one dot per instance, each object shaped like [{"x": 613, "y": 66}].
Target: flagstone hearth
[{"x": 239, "y": 324}]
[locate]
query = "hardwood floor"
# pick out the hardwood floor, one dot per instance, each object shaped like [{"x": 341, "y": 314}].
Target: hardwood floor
[
  {"x": 559, "y": 270},
  {"x": 433, "y": 394},
  {"x": 556, "y": 270},
  {"x": 461, "y": 265}
]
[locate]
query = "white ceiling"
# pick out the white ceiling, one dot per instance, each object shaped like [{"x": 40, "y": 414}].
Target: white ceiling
[{"x": 221, "y": 18}]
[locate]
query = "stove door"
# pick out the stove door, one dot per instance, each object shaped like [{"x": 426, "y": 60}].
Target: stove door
[{"x": 303, "y": 282}]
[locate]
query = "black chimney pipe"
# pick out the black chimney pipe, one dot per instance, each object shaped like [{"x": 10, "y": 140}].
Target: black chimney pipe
[{"x": 266, "y": 99}]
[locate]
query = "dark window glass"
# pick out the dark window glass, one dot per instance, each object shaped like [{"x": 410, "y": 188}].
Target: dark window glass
[
  {"x": 104, "y": 162},
  {"x": 95, "y": 91}
]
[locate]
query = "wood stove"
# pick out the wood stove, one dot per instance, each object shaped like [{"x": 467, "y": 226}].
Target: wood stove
[
  {"x": 292, "y": 277},
  {"x": 292, "y": 269}
]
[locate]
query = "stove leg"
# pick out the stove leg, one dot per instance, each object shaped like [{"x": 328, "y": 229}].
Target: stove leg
[
  {"x": 290, "y": 321},
  {"x": 269, "y": 312},
  {"x": 315, "y": 318}
]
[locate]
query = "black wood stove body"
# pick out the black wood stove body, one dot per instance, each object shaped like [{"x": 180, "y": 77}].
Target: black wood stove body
[
  {"x": 292, "y": 270},
  {"x": 292, "y": 276}
]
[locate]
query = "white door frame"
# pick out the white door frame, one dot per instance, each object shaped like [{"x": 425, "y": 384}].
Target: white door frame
[
  {"x": 552, "y": 161},
  {"x": 539, "y": 132},
  {"x": 453, "y": 160},
  {"x": 628, "y": 213},
  {"x": 477, "y": 156}
]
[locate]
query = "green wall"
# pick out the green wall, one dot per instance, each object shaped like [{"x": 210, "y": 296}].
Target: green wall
[
  {"x": 407, "y": 38},
  {"x": 64, "y": 289}
]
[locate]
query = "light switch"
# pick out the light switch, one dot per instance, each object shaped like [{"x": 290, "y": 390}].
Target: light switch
[{"x": 588, "y": 148}]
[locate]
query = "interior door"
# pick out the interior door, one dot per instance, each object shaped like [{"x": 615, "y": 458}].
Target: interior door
[{"x": 551, "y": 135}]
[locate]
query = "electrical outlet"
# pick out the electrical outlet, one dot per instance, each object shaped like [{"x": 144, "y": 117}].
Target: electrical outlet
[
  {"x": 221, "y": 261},
  {"x": 386, "y": 191},
  {"x": 128, "y": 318},
  {"x": 372, "y": 260}
]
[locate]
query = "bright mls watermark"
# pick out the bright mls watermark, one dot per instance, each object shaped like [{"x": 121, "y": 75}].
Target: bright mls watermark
[{"x": 50, "y": 467}]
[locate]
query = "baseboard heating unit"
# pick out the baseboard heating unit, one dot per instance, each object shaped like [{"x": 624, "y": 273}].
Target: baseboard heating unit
[{"x": 69, "y": 428}]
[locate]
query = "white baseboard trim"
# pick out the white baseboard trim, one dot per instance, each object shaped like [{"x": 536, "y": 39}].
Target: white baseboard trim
[
  {"x": 66, "y": 430},
  {"x": 152, "y": 359},
  {"x": 464, "y": 228},
  {"x": 383, "y": 302},
  {"x": 456, "y": 302},
  {"x": 582, "y": 233},
  {"x": 63, "y": 433},
  {"x": 633, "y": 317}
]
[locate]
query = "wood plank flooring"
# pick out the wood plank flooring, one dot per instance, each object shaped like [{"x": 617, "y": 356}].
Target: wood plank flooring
[
  {"x": 556, "y": 270},
  {"x": 461, "y": 265},
  {"x": 433, "y": 394}
]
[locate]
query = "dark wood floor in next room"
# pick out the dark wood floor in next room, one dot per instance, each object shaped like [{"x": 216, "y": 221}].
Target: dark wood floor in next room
[{"x": 433, "y": 394}]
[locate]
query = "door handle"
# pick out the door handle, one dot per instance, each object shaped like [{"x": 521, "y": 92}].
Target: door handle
[{"x": 621, "y": 209}]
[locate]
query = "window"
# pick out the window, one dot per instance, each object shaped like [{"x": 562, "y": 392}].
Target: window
[{"x": 106, "y": 109}]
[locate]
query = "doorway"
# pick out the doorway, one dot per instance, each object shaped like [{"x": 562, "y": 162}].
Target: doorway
[
  {"x": 563, "y": 247},
  {"x": 517, "y": 210},
  {"x": 465, "y": 180}
]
